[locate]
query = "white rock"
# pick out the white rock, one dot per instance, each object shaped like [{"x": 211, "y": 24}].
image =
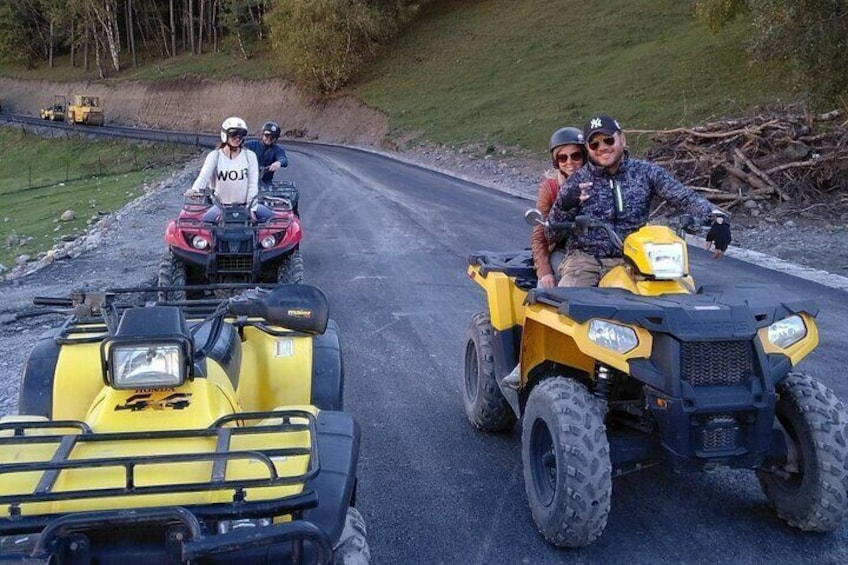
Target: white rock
[{"x": 67, "y": 216}]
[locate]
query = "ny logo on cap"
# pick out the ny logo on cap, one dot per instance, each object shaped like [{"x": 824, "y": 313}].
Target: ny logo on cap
[{"x": 595, "y": 123}]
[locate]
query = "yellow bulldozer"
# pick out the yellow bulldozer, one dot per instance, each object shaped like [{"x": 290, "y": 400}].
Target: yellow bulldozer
[
  {"x": 55, "y": 112},
  {"x": 85, "y": 110}
]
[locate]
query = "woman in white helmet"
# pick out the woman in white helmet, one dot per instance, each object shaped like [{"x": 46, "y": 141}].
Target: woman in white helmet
[{"x": 230, "y": 171}]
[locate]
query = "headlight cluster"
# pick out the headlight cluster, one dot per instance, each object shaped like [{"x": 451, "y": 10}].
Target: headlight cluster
[
  {"x": 268, "y": 242},
  {"x": 147, "y": 365},
  {"x": 666, "y": 259},
  {"x": 787, "y": 331},
  {"x": 611, "y": 336}
]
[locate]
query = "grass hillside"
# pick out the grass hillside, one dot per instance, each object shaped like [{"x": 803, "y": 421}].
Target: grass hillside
[
  {"x": 42, "y": 178},
  {"x": 507, "y": 72}
]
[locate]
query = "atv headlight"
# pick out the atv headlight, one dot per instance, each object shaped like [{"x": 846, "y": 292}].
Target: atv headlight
[
  {"x": 141, "y": 365},
  {"x": 199, "y": 242},
  {"x": 666, "y": 259},
  {"x": 611, "y": 336},
  {"x": 787, "y": 331},
  {"x": 268, "y": 242}
]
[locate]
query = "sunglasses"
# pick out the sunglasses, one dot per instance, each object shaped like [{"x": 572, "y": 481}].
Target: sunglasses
[
  {"x": 608, "y": 141},
  {"x": 563, "y": 158},
  {"x": 235, "y": 133}
]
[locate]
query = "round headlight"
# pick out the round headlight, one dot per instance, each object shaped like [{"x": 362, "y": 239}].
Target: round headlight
[
  {"x": 268, "y": 242},
  {"x": 199, "y": 242}
]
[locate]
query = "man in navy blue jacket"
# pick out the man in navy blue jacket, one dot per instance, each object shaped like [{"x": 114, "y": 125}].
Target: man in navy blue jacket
[
  {"x": 615, "y": 189},
  {"x": 269, "y": 153}
]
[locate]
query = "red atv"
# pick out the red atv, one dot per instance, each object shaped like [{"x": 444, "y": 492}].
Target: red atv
[{"x": 212, "y": 243}]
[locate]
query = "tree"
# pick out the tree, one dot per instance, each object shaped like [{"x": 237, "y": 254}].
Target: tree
[{"x": 810, "y": 34}]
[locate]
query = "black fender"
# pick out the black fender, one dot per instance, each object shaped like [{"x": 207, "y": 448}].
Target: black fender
[
  {"x": 335, "y": 484},
  {"x": 327, "y": 369},
  {"x": 37, "y": 376}
]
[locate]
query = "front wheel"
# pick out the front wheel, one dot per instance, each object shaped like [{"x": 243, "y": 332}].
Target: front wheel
[
  {"x": 352, "y": 547},
  {"x": 566, "y": 457},
  {"x": 809, "y": 489},
  {"x": 485, "y": 405},
  {"x": 291, "y": 269},
  {"x": 172, "y": 272}
]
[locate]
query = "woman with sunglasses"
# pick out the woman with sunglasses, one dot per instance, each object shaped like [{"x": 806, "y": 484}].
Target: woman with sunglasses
[
  {"x": 230, "y": 171},
  {"x": 568, "y": 153},
  {"x": 615, "y": 189}
]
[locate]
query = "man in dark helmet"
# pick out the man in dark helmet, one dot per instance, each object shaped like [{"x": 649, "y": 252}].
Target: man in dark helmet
[{"x": 269, "y": 153}]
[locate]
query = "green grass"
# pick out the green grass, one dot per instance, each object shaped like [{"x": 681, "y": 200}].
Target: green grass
[
  {"x": 41, "y": 178},
  {"x": 509, "y": 73}
]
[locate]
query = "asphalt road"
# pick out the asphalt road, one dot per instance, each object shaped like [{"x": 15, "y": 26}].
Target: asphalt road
[{"x": 388, "y": 243}]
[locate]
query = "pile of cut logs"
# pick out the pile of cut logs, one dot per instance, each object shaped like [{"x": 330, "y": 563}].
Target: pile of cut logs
[{"x": 797, "y": 159}]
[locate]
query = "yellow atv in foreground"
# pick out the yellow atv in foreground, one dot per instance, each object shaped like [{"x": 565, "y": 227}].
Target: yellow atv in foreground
[
  {"x": 203, "y": 431},
  {"x": 646, "y": 370}
]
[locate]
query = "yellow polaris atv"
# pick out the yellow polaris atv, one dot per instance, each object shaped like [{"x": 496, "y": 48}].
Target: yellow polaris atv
[
  {"x": 201, "y": 431},
  {"x": 646, "y": 370}
]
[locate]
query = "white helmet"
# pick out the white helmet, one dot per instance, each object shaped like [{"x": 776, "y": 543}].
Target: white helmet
[{"x": 233, "y": 125}]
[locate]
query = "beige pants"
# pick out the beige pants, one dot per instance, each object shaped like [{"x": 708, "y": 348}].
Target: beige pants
[{"x": 581, "y": 269}]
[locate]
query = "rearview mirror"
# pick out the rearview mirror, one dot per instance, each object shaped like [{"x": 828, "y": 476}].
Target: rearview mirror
[{"x": 533, "y": 217}]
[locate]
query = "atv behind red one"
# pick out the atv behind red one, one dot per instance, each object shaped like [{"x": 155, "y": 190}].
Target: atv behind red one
[{"x": 232, "y": 248}]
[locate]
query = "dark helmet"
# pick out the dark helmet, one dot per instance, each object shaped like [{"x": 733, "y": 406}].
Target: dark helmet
[
  {"x": 272, "y": 128},
  {"x": 566, "y": 136}
]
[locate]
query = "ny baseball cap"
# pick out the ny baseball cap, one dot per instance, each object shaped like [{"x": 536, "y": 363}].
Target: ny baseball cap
[{"x": 600, "y": 124}]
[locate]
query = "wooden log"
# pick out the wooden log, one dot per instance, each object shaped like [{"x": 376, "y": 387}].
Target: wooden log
[{"x": 764, "y": 177}]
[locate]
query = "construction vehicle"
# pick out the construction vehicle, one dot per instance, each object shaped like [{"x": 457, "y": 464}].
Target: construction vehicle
[
  {"x": 56, "y": 111},
  {"x": 85, "y": 110}
]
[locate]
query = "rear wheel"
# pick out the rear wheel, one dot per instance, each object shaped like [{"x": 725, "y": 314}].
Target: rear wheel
[
  {"x": 172, "y": 272},
  {"x": 567, "y": 470},
  {"x": 485, "y": 405},
  {"x": 291, "y": 269},
  {"x": 809, "y": 489}
]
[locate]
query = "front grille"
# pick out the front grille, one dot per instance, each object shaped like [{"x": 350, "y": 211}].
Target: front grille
[
  {"x": 716, "y": 363},
  {"x": 235, "y": 263},
  {"x": 724, "y": 436}
]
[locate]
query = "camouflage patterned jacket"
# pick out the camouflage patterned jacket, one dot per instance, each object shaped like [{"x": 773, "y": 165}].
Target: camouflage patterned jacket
[{"x": 622, "y": 200}]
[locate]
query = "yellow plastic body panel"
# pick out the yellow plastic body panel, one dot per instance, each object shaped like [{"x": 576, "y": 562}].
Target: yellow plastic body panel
[
  {"x": 275, "y": 370},
  {"x": 550, "y": 336},
  {"x": 153, "y": 474},
  {"x": 506, "y": 301},
  {"x": 195, "y": 404},
  {"x": 78, "y": 379},
  {"x": 798, "y": 350},
  {"x": 621, "y": 277}
]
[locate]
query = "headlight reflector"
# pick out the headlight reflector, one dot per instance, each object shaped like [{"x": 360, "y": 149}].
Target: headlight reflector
[
  {"x": 787, "y": 331},
  {"x": 199, "y": 242},
  {"x": 666, "y": 259},
  {"x": 142, "y": 365},
  {"x": 612, "y": 336},
  {"x": 268, "y": 242}
]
